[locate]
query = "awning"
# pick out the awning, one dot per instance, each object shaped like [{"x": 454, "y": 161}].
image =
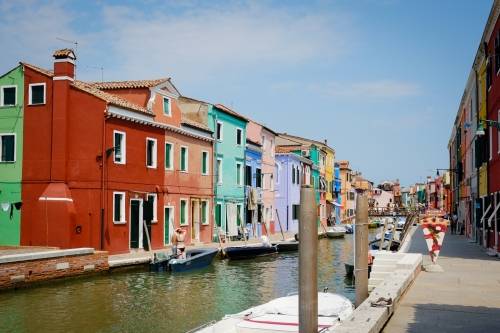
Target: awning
[
  {"x": 493, "y": 214},
  {"x": 337, "y": 204}
]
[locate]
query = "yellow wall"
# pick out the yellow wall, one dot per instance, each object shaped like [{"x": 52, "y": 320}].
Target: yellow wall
[
  {"x": 483, "y": 180},
  {"x": 329, "y": 173}
]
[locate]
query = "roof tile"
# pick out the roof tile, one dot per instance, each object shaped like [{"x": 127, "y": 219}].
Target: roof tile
[{"x": 129, "y": 84}]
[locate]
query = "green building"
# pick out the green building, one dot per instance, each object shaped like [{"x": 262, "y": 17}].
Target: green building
[
  {"x": 11, "y": 153},
  {"x": 229, "y": 166}
]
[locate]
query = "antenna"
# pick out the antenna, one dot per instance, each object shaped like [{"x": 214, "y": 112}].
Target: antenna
[
  {"x": 69, "y": 41},
  {"x": 99, "y": 68}
]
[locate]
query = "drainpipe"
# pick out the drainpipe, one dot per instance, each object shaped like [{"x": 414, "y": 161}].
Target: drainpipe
[{"x": 103, "y": 183}]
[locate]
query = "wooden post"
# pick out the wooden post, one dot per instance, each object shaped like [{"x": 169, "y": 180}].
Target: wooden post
[
  {"x": 308, "y": 261},
  {"x": 361, "y": 254}
]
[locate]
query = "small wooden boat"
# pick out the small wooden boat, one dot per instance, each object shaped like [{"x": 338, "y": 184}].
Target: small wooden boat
[
  {"x": 248, "y": 251},
  {"x": 286, "y": 246},
  {"x": 336, "y": 232},
  {"x": 282, "y": 315},
  {"x": 195, "y": 259}
]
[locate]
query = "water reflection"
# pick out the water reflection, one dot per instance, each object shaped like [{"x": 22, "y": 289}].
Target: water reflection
[{"x": 139, "y": 301}]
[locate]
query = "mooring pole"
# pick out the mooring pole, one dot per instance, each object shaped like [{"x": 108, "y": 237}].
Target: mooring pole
[
  {"x": 308, "y": 261},
  {"x": 361, "y": 253}
]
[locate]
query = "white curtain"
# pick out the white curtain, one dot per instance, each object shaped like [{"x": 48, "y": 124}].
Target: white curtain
[{"x": 232, "y": 227}]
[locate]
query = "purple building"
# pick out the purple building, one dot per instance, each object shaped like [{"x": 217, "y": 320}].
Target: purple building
[{"x": 292, "y": 170}]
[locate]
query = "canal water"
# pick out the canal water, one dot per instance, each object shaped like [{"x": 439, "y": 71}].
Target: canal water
[{"x": 139, "y": 301}]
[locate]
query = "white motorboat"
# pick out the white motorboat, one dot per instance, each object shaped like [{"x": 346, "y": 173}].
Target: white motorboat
[
  {"x": 337, "y": 231},
  {"x": 282, "y": 315}
]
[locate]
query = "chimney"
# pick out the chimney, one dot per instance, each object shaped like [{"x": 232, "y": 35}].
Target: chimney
[
  {"x": 64, "y": 64},
  {"x": 326, "y": 142},
  {"x": 64, "y": 74}
]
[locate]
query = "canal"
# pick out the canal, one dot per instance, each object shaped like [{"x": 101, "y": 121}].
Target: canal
[{"x": 139, "y": 301}]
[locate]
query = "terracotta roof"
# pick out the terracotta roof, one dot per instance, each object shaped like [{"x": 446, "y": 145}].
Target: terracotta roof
[
  {"x": 129, "y": 84},
  {"x": 286, "y": 149},
  {"x": 254, "y": 142},
  {"x": 305, "y": 140},
  {"x": 195, "y": 124},
  {"x": 229, "y": 111},
  {"x": 38, "y": 69},
  {"x": 110, "y": 98},
  {"x": 64, "y": 53}
]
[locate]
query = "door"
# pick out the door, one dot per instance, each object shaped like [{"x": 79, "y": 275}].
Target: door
[
  {"x": 168, "y": 223},
  {"x": 136, "y": 224},
  {"x": 195, "y": 220}
]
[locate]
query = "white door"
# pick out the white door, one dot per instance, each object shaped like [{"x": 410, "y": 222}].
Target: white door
[{"x": 168, "y": 226}]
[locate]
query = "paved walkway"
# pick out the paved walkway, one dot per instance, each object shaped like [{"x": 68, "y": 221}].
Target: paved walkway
[{"x": 463, "y": 298}]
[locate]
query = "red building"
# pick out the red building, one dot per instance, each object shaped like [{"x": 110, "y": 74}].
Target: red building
[
  {"x": 493, "y": 106},
  {"x": 111, "y": 166}
]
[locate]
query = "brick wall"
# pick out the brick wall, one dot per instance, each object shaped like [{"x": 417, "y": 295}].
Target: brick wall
[{"x": 21, "y": 273}]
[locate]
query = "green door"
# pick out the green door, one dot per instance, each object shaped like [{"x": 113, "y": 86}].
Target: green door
[
  {"x": 168, "y": 223},
  {"x": 135, "y": 206}
]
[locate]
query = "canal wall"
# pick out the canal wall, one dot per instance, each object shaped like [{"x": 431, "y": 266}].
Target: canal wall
[
  {"x": 24, "y": 269},
  {"x": 400, "y": 270}
]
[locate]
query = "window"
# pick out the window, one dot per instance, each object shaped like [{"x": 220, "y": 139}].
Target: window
[
  {"x": 272, "y": 148},
  {"x": 264, "y": 143},
  {"x": 248, "y": 175},
  {"x": 150, "y": 153},
  {"x": 239, "y": 174},
  {"x": 119, "y": 207},
  {"x": 119, "y": 143},
  {"x": 293, "y": 174},
  {"x": 183, "y": 212},
  {"x": 298, "y": 175},
  {"x": 184, "y": 159},
  {"x": 219, "y": 171},
  {"x": 259, "y": 213},
  {"x": 258, "y": 178},
  {"x": 204, "y": 163},
  {"x": 167, "y": 106},
  {"x": 169, "y": 156},
  {"x": 8, "y": 95},
  {"x": 204, "y": 212},
  {"x": 7, "y": 147},
  {"x": 155, "y": 208},
  {"x": 37, "y": 93},
  {"x": 272, "y": 182},
  {"x": 219, "y": 131},
  {"x": 239, "y": 135},
  {"x": 295, "y": 212}
]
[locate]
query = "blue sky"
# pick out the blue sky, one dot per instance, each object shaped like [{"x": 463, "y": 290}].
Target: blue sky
[{"x": 381, "y": 80}]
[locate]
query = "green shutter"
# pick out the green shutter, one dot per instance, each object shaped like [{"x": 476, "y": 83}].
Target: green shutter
[
  {"x": 183, "y": 212},
  {"x": 204, "y": 212},
  {"x": 183, "y": 159},
  {"x": 204, "y": 162},
  {"x": 166, "y": 106},
  {"x": 117, "y": 208},
  {"x": 218, "y": 221},
  {"x": 168, "y": 162}
]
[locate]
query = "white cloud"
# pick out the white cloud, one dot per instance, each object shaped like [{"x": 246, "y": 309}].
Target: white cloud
[
  {"x": 203, "y": 43},
  {"x": 374, "y": 89}
]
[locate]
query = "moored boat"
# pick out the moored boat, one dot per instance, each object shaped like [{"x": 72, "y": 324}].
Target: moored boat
[
  {"x": 195, "y": 259},
  {"x": 248, "y": 251},
  {"x": 337, "y": 231},
  {"x": 286, "y": 246},
  {"x": 282, "y": 315}
]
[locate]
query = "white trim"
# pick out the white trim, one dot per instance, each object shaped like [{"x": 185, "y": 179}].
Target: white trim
[
  {"x": 169, "y": 114},
  {"x": 207, "y": 163},
  {"x": 1, "y": 94},
  {"x": 123, "y": 147},
  {"x": 155, "y": 207},
  {"x": 207, "y": 213},
  {"x": 133, "y": 116},
  {"x": 171, "y": 155},
  {"x": 71, "y": 61},
  {"x": 218, "y": 170},
  {"x": 170, "y": 230},
  {"x": 221, "y": 131},
  {"x": 187, "y": 159},
  {"x": 63, "y": 78},
  {"x": 186, "y": 212},
  {"x": 30, "y": 96},
  {"x": 155, "y": 153},
  {"x": 122, "y": 208},
  {"x": 15, "y": 148},
  {"x": 55, "y": 199},
  {"x": 240, "y": 183},
  {"x": 241, "y": 136}
]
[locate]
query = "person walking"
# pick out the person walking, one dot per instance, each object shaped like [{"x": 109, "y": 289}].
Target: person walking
[{"x": 454, "y": 219}]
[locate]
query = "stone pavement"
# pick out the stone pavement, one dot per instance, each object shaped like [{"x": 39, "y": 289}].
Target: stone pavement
[{"x": 463, "y": 298}]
